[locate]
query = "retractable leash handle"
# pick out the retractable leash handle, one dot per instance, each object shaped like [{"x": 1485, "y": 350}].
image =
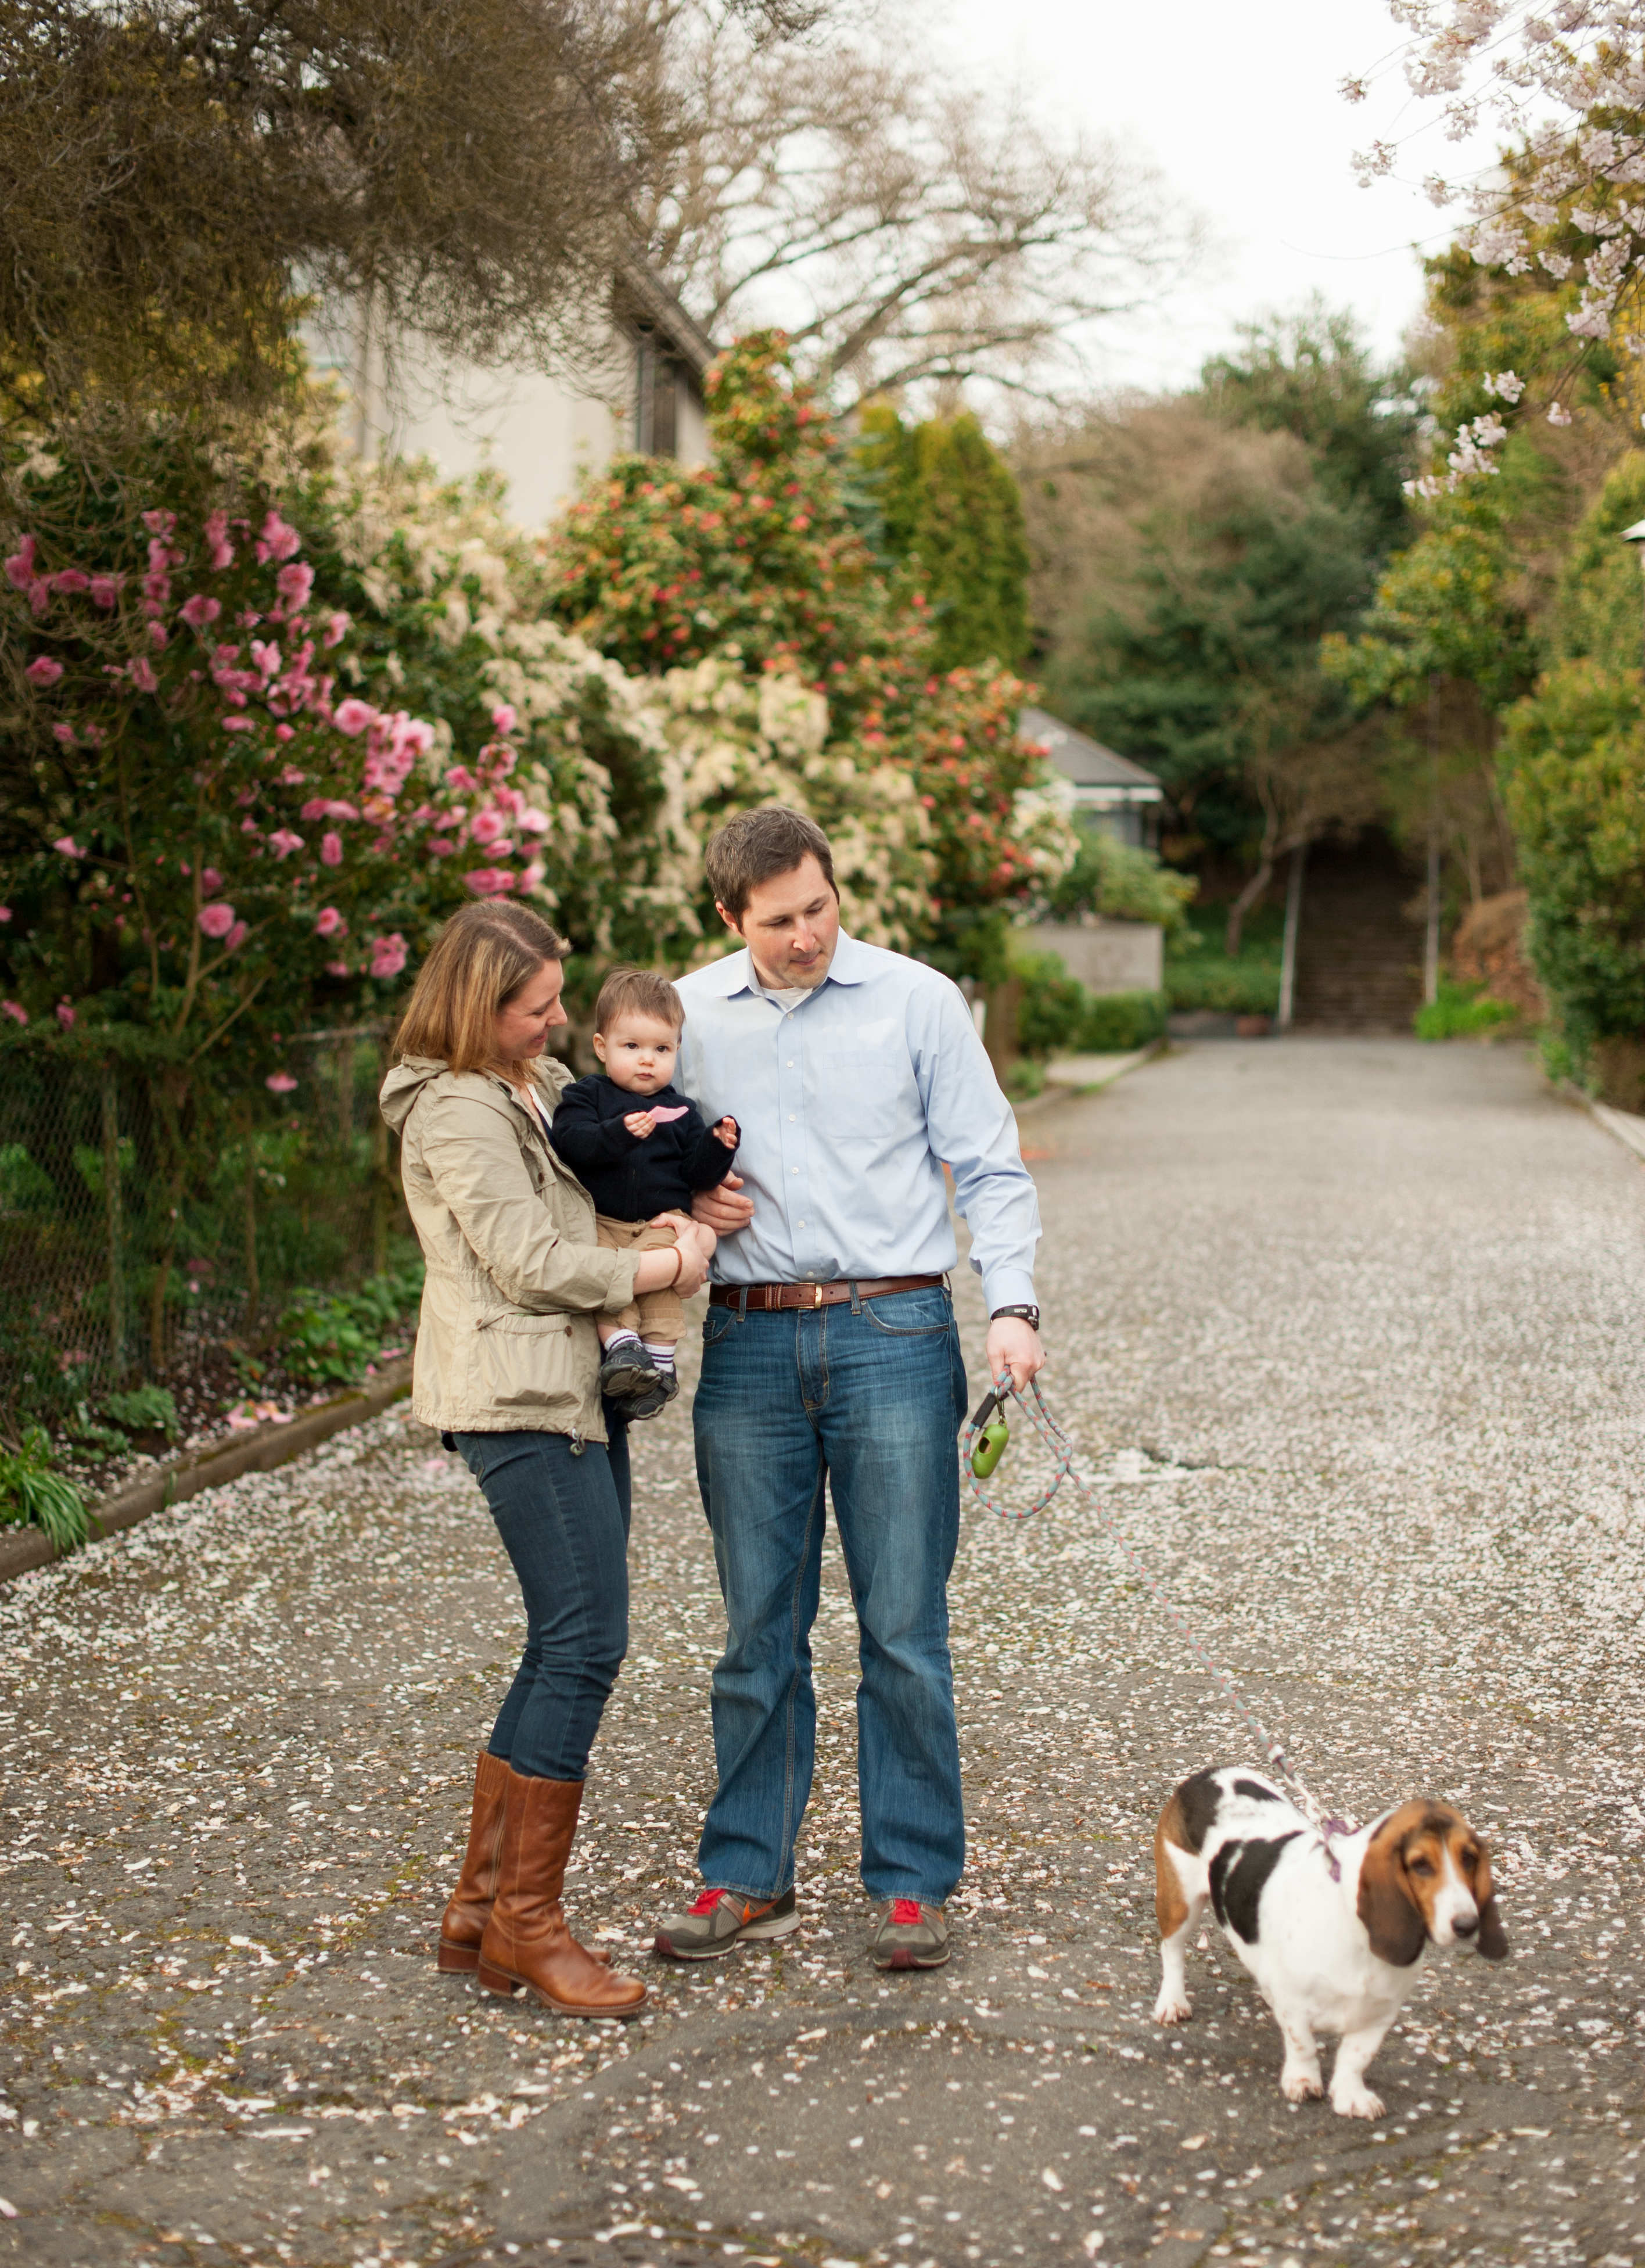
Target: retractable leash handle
[{"x": 981, "y": 1447}]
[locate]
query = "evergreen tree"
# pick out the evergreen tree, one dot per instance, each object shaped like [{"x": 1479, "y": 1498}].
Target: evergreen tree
[{"x": 948, "y": 508}]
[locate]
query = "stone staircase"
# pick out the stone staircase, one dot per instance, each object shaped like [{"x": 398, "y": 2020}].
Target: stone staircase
[{"x": 1359, "y": 956}]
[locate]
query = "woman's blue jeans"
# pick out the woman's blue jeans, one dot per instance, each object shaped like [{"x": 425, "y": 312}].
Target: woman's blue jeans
[
  {"x": 563, "y": 1520},
  {"x": 869, "y": 1397}
]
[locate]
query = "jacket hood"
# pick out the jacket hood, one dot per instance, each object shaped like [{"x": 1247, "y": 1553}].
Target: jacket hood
[{"x": 404, "y": 1084}]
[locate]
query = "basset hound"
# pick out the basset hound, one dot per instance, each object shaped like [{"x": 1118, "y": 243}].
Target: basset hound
[{"x": 1333, "y": 1935}]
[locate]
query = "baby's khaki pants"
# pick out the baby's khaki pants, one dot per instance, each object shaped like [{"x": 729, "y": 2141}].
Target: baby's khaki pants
[{"x": 654, "y": 1314}]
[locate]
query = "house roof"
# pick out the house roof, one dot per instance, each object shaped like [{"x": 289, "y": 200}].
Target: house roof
[
  {"x": 643, "y": 298},
  {"x": 1086, "y": 762}
]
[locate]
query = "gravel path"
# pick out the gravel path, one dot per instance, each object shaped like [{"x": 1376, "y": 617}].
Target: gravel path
[{"x": 1352, "y": 1334}]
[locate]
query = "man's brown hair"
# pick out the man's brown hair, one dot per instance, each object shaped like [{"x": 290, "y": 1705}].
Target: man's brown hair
[
  {"x": 637, "y": 992},
  {"x": 478, "y": 962},
  {"x": 756, "y": 845}
]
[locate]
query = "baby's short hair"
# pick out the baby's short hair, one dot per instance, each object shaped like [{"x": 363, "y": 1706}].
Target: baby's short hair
[{"x": 639, "y": 992}]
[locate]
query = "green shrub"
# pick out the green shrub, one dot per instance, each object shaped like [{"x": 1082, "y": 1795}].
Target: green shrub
[
  {"x": 1124, "y": 884},
  {"x": 1462, "y": 1011},
  {"x": 144, "y": 1409},
  {"x": 33, "y": 1495},
  {"x": 1117, "y": 1022},
  {"x": 328, "y": 1337},
  {"x": 1057, "y": 1015}
]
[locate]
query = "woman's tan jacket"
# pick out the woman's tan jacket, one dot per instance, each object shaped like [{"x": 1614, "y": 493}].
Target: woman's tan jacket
[{"x": 506, "y": 1340}]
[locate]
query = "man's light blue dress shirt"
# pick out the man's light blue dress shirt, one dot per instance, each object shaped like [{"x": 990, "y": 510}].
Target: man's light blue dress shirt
[{"x": 850, "y": 1104}]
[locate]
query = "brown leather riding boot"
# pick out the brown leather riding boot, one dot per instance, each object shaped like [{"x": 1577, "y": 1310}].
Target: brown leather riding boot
[
  {"x": 526, "y": 1941},
  {"x": 464, "y": 1923}
]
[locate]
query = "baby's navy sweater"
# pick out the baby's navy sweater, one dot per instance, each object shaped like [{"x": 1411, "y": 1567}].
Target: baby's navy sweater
[{"x": 630, "y": 1179}]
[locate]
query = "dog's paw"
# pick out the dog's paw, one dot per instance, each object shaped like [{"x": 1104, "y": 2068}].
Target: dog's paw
[
  {"x": 1357, "y": 2103},
  {"x": 1301, "y": 2085},
  {"x": 1169, "y": 2011}
]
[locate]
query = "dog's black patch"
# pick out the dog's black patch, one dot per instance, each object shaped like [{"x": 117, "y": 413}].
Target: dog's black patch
[
  {"x": 1197, "y": 1800},
  {"x": 1256, "y": 1790},
  {"x": 1238, "y": 1874}
]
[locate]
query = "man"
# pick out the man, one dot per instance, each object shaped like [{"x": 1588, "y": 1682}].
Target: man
[{"x": 830, "y": 1352}]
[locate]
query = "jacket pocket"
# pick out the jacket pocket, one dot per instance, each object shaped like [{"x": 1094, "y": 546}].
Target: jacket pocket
[{"x": 519, "y": 1361}]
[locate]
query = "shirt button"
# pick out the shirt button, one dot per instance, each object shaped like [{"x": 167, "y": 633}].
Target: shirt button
[
  {"x": 794, "y": 1169},
  {"x": 790, "y": 1118},
  {"x": 790, "y": 1063}
]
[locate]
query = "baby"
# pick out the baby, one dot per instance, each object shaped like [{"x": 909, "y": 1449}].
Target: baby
[{"x": 636, "y": 1163}]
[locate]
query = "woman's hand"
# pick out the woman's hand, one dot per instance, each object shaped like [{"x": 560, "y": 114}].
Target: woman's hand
[
  {"x": 693, "y": 1262},
  {"x": 679, "y": 1222},
  {"x": 721, "y": 1211}
]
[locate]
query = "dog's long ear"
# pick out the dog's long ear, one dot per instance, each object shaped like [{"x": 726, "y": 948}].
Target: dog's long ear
[
  {"x": 1492, "y": 1942},
  {"x": 1394, "y": 1922}
]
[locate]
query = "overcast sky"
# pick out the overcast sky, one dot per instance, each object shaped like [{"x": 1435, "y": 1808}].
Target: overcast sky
[{"x": 1236, "y": 102}]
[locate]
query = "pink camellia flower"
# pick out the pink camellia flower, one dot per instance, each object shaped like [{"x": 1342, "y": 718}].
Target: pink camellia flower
[
  {"x": 140, "y": 670},
  {"x": 439, "y": 848},
  {"x": 503, "y": 718},
  {"x": 44, "y": 671},
  {"x": 236, "y": 936},
  {"x": 487, "y": 826},
  {"x": 211, "y": 880},
  {"x": 65, "y": 1013},
  {"x": 106, "y": 590},
  {"x": 15, "y": 1009},
  {"x": 389, "y": 954},
  {"x": 338, "y": 969},
  {"x": 280, "y": 1082},
  {"x": 337, "y": 627},
  {"x": 285, "y": 732},
  {"x": 490, "y": 881},
  {"x": 219, "y": 550},
  {"x": 239, "y": 724},
  {"x": 63, "y": 733},
  {"x": 69, "y": 847},
  {"x": 160, "y": 523},
  {"x": 68, "y": 581},
  {"x": 279, "y": 539},
  {"x": 266, "y": 654},
  {"x": 19, "y": 567},
  {"x": 353, "y": 717},
  {"x": 200, "y": 610},
  {"x": 330, "y": 849},
  {"x": 218, "y": 920},
  {"x": 290, "y": 776},
  {"x": 38, "y": 595},
  {"x": 283, "y": 842},
  {"x": 158, "y": 635},
  {"x": 5, "y": 913},
  {"x": 294, "y": 584},
  {"x": 331, "y": 924}
]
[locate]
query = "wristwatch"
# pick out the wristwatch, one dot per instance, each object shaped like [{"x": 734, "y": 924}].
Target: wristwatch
[{"x": 1029, "y": 1315}]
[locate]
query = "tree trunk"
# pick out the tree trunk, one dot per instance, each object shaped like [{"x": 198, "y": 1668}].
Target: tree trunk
[{"x": 1245, "y": 901}]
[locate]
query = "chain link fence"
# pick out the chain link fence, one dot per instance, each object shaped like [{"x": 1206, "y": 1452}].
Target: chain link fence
[{"x": 136, "y": 1228}]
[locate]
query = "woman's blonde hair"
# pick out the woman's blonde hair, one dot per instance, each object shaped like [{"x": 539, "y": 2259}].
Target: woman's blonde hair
[{"x": 479, "y": 961}]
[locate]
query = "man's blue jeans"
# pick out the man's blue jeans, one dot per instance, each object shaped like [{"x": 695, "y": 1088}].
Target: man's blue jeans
[
  {"x": 871, "y": 1398},
  {"x": 563, "y": 1519}
]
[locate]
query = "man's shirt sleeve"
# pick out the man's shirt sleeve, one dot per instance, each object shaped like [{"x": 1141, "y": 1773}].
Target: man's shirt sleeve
[{"x": 973, "y": 1129}]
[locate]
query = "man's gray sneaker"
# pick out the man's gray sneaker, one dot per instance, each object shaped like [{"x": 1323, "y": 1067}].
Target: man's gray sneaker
[
  {"x": 908, "y": 1935},
  {"x": 721, "y": 1919}
]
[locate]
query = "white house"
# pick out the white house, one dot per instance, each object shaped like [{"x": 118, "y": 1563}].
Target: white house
[{"x": 542, "y": 434}]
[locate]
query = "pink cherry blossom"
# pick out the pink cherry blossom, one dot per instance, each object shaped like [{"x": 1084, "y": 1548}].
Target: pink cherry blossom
[
  {"x": 266, "y": 654},
  {"x": 69, "y": 847},
  {"x": 200, "y": 610},
  {"x": 533, "y": 822},
  {"x": 5, "y": 913},
  {"x": 283, "y": 842},
  {"x": 503, "y": 718},
  {"x": 63, "y": 733},
  {"x": 389, "y": 954},
  {"x": 279, "y": 539},
  {"x": 488, "y": 827},
  {"x": 439, "y": 848},
  {"x": 160, "y": 523},
  {"x": 15, "y": 1009},
  {"x": 331, "y": 924},
  {"x": 337, "y": 627},
  {"x": 294, "y": 584},
  {"x": 280, "y": 1082},
  {"x": 65, "y": 1013},
  {"x": 158, "y": 635},
  {"x": 239, "y": 724},
  {"x": 68, "y": 580},
  {"x": 44, "y": 671},
  {"x": 38, "y": 595},
  {"x": 284, "y": 732},
  {"x": 353, "y": 717},
  {"x": 219, "y": 550},
  {"x": 106, "y": 590},
  {"x": 140, "y": 670},
  {"x": 290, "y": 776},
  {"x": 338, "y": 969},
  {"x": 490, "y": 881},
  {"x": 211, "y": 880},
  {"x": 330, "y": 849},
  {"x": 20, "y": 566},
  {"x": 236, "y": 936},
  {"x": 218, "y": 920}
]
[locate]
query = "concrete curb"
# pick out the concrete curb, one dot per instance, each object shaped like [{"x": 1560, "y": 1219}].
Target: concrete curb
[
  {"x": 1623, "y": 1125},
  {"x": 1054, "y": 1091},
  {"x": 210, "y": 1467}
]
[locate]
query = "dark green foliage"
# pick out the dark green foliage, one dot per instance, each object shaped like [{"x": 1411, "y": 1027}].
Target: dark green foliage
[
  {"x": 33, "y": 1495},
  {"x": 950, "y": 510},
  {"x": 1125, "y": 883},
  {"x": 1057, "y": 1015},
  {"x": 1462, "y": 1011},
  {"x": 328, "y": 1337},
  {"x": 144, "y": 1408}
]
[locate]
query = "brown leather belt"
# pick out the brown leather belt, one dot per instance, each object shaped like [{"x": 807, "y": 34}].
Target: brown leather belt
[{"x": 762, "y": 1298}]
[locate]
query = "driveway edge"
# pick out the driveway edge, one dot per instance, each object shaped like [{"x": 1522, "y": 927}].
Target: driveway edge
[{"x": 260, "y": 1451}]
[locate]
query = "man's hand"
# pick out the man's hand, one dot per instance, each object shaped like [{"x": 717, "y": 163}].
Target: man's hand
[
  {"x": 1013, "y": 1344},
  {"x": 639, "y": 1123},
  {"x": 727, "y": 1132},
  {"x": 720, "y": 1209}
]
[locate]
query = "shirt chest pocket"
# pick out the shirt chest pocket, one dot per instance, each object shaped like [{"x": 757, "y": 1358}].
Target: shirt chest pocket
[{"x": 856, "y": 1097}]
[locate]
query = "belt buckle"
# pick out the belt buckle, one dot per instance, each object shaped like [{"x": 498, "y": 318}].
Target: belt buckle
[{"x": 817, "y": 1297}]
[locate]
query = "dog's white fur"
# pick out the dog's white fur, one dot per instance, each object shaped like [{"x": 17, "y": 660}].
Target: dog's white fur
[{"x": 1320, "y": 1950}]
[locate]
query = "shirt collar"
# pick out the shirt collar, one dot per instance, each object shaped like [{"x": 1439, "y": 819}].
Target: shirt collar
[{"x": 735, "y": 973}]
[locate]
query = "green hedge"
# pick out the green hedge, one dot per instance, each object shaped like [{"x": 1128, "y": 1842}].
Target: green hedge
[{"x": 1057, "y": 1016}]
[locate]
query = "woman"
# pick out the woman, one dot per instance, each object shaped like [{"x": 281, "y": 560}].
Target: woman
[{"x": 507, "y": 1367}]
